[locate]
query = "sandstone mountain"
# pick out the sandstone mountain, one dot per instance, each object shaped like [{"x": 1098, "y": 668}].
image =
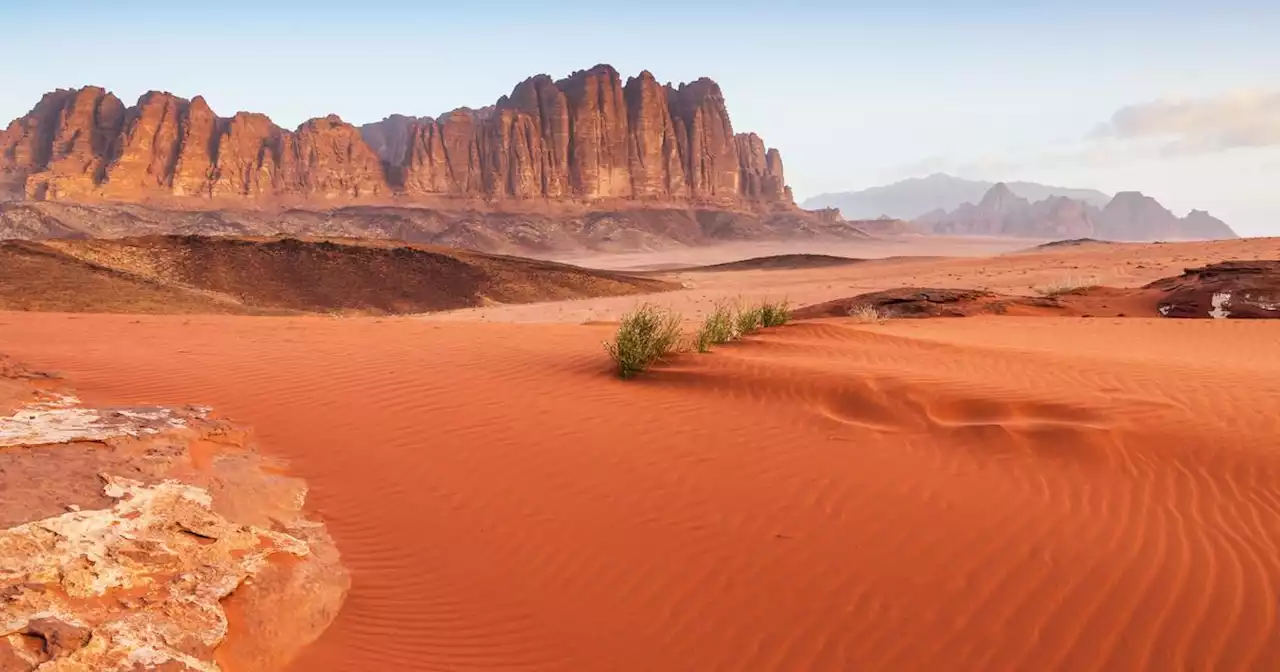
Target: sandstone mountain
[
  {"x": 1127, "y": 216},
  {"x": 589, "y": 137}
]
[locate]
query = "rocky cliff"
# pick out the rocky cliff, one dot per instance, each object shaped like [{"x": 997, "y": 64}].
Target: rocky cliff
[
  {"x": 1128, "y": 216},
  {"x": 586, "y": 138}
]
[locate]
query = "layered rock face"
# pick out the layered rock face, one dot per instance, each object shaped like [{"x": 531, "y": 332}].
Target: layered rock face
[
  {"x": 64, "y": 144},
  {"x": 1128, "y": 216},
  {"x": 1228, "y": 289},
  {"x": 585, "y": 138}
]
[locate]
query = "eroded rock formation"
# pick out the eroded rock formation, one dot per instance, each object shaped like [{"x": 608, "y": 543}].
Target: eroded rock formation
[
  {"x": 125, "y": 532},
  {"x": 1229, "y": 289},
  {"x": 585, "y": 138}
]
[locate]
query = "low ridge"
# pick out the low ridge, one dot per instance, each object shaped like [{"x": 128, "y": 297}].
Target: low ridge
[{"x": 194, "y": 274}]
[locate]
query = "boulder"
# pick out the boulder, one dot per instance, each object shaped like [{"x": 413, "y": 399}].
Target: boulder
[{"x": 1230, "y": 289}]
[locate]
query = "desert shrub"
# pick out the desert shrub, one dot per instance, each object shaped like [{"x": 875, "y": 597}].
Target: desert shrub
[
  {"x": 746, "y": 321},
  {"x": 867, "y": 314},
  {"x": 645, "y": 335},
  {"x": 717, "y": 328},
  {"x": 774, "y": 314},
  {"x": 1065, "y": 285}
]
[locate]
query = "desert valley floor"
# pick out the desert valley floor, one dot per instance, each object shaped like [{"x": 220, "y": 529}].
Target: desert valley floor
[{"x": 990, "y": 492}]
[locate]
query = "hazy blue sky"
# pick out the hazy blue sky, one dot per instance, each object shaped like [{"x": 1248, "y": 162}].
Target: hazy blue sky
[{"x": 1178, "y": 100}]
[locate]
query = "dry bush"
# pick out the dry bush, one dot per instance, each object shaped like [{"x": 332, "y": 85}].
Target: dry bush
[
  {"x": 867, "y": 314},
  {"x": 1065, "y": 285}
]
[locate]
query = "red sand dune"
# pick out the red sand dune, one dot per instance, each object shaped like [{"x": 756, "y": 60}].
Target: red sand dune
[{"x": 988, "y": 493}]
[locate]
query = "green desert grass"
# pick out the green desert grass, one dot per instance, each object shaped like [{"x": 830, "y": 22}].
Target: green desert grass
[
  {"x": 774, "y": 314},
  {"x": 746, "y": 321},
  {"x": 645, "y": 336},
  {"x": 717, "y": 328},
  {"x": 649, "y": 333}
]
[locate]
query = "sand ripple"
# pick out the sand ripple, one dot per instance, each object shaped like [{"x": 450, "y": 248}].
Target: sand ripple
[{"x": 965, "y": 495}]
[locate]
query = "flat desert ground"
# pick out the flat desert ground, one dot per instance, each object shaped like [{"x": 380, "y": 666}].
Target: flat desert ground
[{"x": 984, "y": 493}]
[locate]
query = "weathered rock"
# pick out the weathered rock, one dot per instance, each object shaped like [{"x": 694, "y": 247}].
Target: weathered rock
[
  {"x": 326, "y": 158},
  {"x": 144, "y": 578},
  {"x": 149, "y": 146},
  {"x": 27, "y": 143},
  {"x": 1230, "y": 289},
  {"x": 706, "y": 140},
  {"x": 426, "y": 168},
  {"x": 919, "y": 302},
  {"x": 656, "y": 166},
  {"x": 546, "y": 105},
  {"x": 389, "y": 138},
  {"x": 248, "y": 150},
  {"x": 193, "y": 171},
  {"x": 63, "y": 146},
  {"x": 108, "y": 572},
  {"x": 761, "y": 169},
  {"x": 599, "y": 163}
]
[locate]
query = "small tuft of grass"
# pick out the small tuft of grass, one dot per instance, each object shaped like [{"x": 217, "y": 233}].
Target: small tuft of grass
[
  {"x": 746, "y": 321},
  {"x": 717, "y": 328},
  {"x": 645, "y": 336},
  {"x": 1065, "y": 286},
  {"x": 774, "y": 314},
  {"x": 867, "y": 314}
]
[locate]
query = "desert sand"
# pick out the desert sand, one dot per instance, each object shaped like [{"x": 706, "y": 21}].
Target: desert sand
[
  {"x": 1005, "y": 265},
  {"x": 964, "y": 494}
]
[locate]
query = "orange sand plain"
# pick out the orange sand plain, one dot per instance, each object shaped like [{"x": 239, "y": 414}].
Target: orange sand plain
[
  {"x": 894, "y": 262},
  {"x": 951, "y": 494}
]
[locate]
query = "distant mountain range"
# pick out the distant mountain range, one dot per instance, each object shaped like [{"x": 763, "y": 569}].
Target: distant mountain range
[
  {"x": 1130, "y": 215},
  {"x": 912, "y": 198},
  {"x": 949, "y": 205}
]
